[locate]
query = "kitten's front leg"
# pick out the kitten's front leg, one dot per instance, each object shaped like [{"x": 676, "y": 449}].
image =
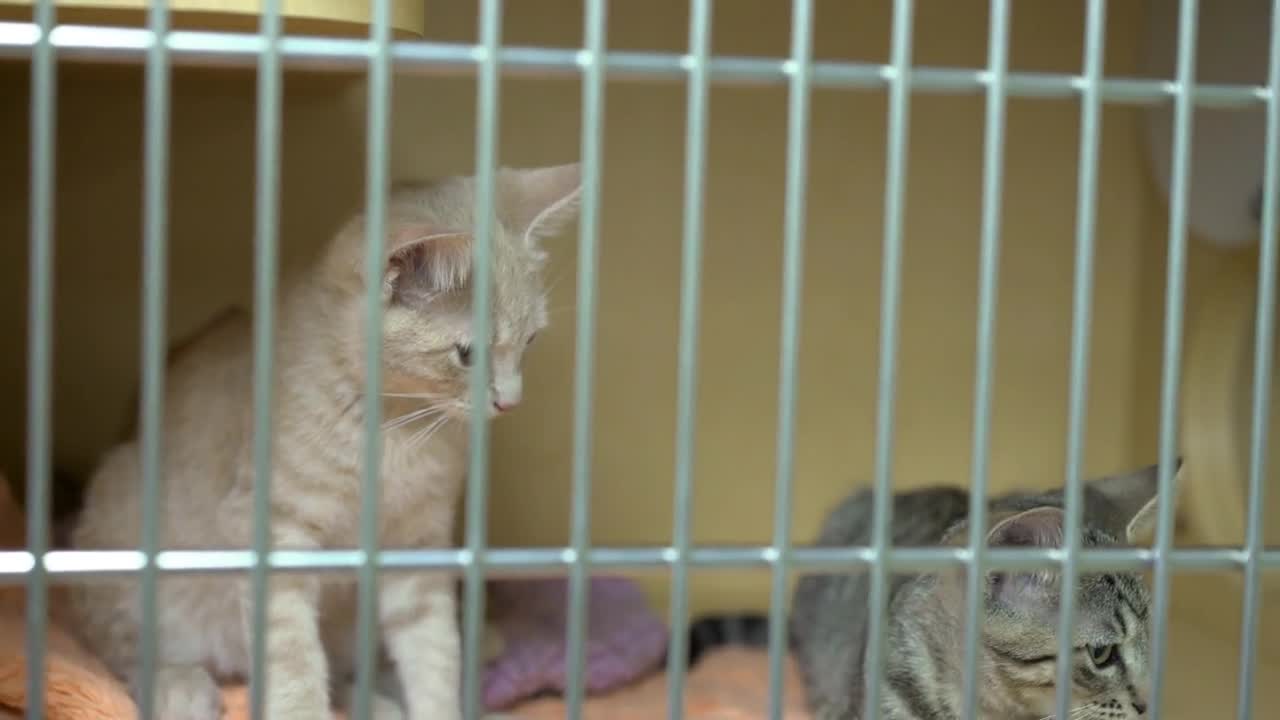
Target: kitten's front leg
[
  {"x": 297, "y": 671},
  {"x": 420, "y": 625}
]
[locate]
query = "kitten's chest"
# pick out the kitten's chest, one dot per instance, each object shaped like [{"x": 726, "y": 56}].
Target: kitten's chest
[{"x": 420, "y": 489}]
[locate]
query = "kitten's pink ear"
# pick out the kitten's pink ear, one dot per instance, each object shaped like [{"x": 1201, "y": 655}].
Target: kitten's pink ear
[
  {"x": 424, "y": 259},
  {"x": 1041, "y": 527},
  {"x": 540, "y": 202},
  {"x": 1030, "y": 593}
]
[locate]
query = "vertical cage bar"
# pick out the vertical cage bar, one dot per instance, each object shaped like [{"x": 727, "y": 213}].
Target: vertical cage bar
[
  {"x": 40, "y": 347},
  {"x": 801, "y": 67},
  {"x": 1263, "y": 357},
  {"x": 154, "y": 283},
  {"x": 584, "y": 349},
  {"x": 481, "y": 326},
  {"x": 695, "y": 157},
  {"x": 1175, "y": 292},
  {"x": 265, "y": 236},
  {"x": 1082, "y": 313},
  {"x": 890, "y": 305},
  {"x": 377, "y": 141},
  {"x": 988, "y": 296}
]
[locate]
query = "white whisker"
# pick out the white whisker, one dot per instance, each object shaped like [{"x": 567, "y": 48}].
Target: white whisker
[
  {"x": 425, "y": 434},
  {"x": 412, "y": 416},
  {"x": 554, "y": 282},
  {"x": 1079, "y": 712}
]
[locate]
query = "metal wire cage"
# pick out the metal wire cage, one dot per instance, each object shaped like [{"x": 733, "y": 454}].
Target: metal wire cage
[{"x": 44, "y": 42}]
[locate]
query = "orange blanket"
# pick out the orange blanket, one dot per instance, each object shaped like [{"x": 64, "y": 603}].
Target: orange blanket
[
  {"x": 726, "y": 684},
  {"x": 729, "y": 684}
]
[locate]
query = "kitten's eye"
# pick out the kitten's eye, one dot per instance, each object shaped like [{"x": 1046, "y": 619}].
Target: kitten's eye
[
  {"x": 1103, "y": 655},
  {"x": 530, "y": 340},
  {"x": 464, "y": 354}
]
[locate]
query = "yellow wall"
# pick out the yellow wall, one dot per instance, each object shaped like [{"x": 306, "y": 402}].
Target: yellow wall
[{"x": 99, "y": 241}]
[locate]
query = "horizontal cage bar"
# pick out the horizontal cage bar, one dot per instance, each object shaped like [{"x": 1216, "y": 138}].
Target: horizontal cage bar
[
  {"x": 99, "y": 43},
  {"x": 15, "y": 564}
]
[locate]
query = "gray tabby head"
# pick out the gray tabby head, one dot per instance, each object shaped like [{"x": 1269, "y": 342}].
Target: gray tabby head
[{"x": 1110, "y": 662}]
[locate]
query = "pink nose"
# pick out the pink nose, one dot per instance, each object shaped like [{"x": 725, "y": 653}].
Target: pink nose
[{"x": 500, "y": 407}]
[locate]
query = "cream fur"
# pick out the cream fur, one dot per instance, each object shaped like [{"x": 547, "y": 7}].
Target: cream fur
[{"x": 318, "y": 425}]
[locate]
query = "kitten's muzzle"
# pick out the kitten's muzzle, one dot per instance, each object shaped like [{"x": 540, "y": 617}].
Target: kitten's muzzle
[{"x": 505, "y": 393}]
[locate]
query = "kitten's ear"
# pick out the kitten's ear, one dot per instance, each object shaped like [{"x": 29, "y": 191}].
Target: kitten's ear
[
  {"x": 540, "y": 202},
  {"x": 1134, "y": 495},
  {"x": 1031, "y": 592},
  {"x": 424, "y": 258},
  {"x": 1040, "y": 527}
]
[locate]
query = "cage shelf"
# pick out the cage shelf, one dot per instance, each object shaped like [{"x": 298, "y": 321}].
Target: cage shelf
[{"x": 309, "y": 17}]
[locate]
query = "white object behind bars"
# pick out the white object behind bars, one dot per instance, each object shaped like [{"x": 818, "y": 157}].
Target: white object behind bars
[{"x": 1224, "y": 198}]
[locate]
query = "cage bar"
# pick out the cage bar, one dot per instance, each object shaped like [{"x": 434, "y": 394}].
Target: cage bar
[
  {"x": 1081, "y": 322},
  {"x": 1263, "y": 357},
  {"x": 154, "y": 345},
  {"x": 695, "y": 159},
  {"x": 1173, "y": 312},
  {"x": 377, "y": 140},
  {"x": 40, "y": 348},
  {"x": 988, "y": 289},
  {"x": 900, "y": 87},
  {"x": 266, "y": 258},
  {"x": 789, "y": 350},
  {"x": 584, "y": 349},
  {"x": 481, "y": 326},
  {"x": 110, "y": 44},
  {"x": 66, "y": 565}
]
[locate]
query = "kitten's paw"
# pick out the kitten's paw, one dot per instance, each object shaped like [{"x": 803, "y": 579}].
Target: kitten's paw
[
  {"x": 384, "y": 708},
  {"x": 186, "y": 692},
  {"x": 440, "y": 712}
]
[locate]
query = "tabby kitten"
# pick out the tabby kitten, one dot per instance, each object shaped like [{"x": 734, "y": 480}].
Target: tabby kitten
[
  {"x": 925, "y": 612},
  {"x": 316, "y": 479}
]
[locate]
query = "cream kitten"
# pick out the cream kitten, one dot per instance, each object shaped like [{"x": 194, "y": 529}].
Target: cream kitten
[{"x": 208, "y": 466}]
